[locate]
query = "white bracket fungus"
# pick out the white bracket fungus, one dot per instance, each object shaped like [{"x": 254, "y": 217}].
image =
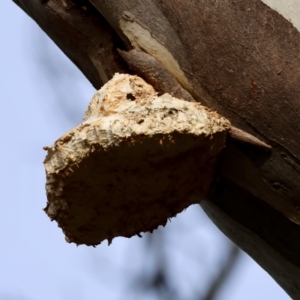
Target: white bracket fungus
[{"x": 135, "y": 161}]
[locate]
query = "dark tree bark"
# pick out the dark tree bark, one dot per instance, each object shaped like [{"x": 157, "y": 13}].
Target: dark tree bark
[{"x": 240, "y": 58}]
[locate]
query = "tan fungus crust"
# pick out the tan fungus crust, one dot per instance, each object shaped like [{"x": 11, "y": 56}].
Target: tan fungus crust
[{"x": 135, "y": 161}]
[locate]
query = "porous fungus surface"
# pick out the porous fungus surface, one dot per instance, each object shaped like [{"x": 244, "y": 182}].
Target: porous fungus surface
[{"x": 135, "y": 161}]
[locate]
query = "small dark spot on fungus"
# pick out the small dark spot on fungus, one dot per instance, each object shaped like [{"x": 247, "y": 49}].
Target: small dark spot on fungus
[
  {"x": 140, "y": 121},
  {"x": 172, "y": 111},
  {"x": 129, "y": 96}
]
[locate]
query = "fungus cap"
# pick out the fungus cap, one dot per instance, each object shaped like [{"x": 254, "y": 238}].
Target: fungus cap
[{"x": 136, "y": 160}]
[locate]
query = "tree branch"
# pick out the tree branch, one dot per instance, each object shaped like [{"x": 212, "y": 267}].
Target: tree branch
[
  {"x": 82, "y": 34},
  {"x": 240, "y": 58}
]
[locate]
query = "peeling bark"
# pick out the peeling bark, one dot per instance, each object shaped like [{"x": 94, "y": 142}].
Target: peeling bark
[{"x": 155, "y": 73}]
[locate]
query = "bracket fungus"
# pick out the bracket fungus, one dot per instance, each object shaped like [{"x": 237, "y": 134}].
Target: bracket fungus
[{"x": 135, "y": 161}]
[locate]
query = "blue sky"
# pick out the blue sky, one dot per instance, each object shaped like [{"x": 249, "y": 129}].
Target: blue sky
[{"x": 35, "y": 261}]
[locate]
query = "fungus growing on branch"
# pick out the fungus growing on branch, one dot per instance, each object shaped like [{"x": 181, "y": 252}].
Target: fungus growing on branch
[{"x": 135, "y": 161}]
